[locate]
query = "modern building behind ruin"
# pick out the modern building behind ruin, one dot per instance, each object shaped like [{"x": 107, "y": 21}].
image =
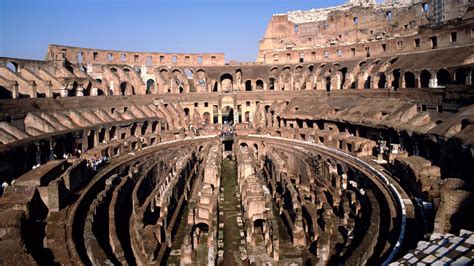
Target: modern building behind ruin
[{"x": 350, "y": 139}]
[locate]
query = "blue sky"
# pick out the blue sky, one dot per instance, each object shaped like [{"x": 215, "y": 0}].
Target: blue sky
[{"x": 230, "y": 26}]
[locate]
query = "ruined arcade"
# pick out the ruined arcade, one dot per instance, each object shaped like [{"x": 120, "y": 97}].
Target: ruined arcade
[{"x": 349, "y": 140}]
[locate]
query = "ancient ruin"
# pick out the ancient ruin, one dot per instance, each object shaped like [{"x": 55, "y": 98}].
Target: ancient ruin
[{"x": 349, "y": 140}]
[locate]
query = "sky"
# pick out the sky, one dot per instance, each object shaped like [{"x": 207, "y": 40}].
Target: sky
[{"x": 233, "y": 27}]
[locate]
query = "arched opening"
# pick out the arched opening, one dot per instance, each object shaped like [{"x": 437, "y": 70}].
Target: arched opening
[
  {"x": 328, "y": 84},
  {"x": 425, "y": 77},
  {"x": 73, "y": 90},
  {"x": 150, "y": 86},
  {"x": 91, "y": 139},
  {"x": 461, "y": 76},
  {"x": 5, "y": 94},
  {"x": 382, "y": 81},
  {"x": 186, "y": 112},
  {"x": 123, "y": 88},
  {"x": 368, "y": 83},
  {"x": 181, "y": 89},
  {"x": 396, "y": 79},
  {"x": 133, "y": 129},
  {"x": 112, "y": 132},
  {"x": 228, "y": 115},
  {"x": 258, "y": 226},
  {"x": 443, "y": 77},
  {"x": 410, "y": 81},
  {"x": 259, "y": 84},
  {"x": 154, "y": 126},
  {"x": 247, "y": 117},
  {"x": 13, "y": 67},
  {"x": 343, "y": 77},
  {"x": 200, "y": 232},
  {"x": 243, "y": 145},
  {"x": 272, "y": 84},
  {"x": 207, "y": 118},
  {"x": 144, "y": 128},
  {"x": 102, "y": 135},
  {"x": 227, "y": 82},
  {"x": 189, "y": 73},
  {"x": 248, "y": 85}
]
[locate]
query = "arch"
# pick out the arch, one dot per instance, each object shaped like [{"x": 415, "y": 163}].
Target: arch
[
  {"x": 443, "y": 77},
  {"x": 186, "y": 112},
  {"x": 410, "y": 80},
  {"x": 368, "y": 83},
  {"x": 150, "y": 86},
  {"x": 260, "y": 84},
  {"x": 189, "y": 73},
  {"x": 13, "y": 67},
  {"x": 243, "y": 145},
  {"x": 123, "y": 88},
  {"x": 396, "y": 79},
  {"x": 144, "y": 128},
  {"x": 154, "y": 126},
  {"x": 91, "y": 139},
  {"x": 112, "y": 132},
  {"x": 102, "y": 135},
  {"x": 133, "y": 129},
  {"x": 227, "y": 115},
  {"x": 247, "y": 117},
  {"x": 382, "y": 81},
  {"x": 425, "y": 77},
  {"x": 73, "y": 90},
  {"x": 207, "y": 118},
  {"x": 113, "y": 69},
  {"x": 227, "y": 82},
  {"x": 5, "y": 93},
  {"x": 343, "y": 77},
  {"x": 460, "y": 76},
  {"x": 272, "y": 84},
  {"x": 328, "y": 83},
  {"x": 248, "y": 85}
]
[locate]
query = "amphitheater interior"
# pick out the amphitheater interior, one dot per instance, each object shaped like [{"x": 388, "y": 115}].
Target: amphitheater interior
[{"x": 350, "y": 140}]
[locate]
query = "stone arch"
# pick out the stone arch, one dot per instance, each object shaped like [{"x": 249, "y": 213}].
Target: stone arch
[
  {"x": 260, "y": 84},
  {"x": 91, "y": 139},
  {"x": 206, "y": 117},
  {"x": 13, "y": 67},
  {"x": 112, "y": 132},
  {"x": 382, "y": 83},
  {"x": 443, "y": 76},
  {"x": 150, "y": 86},
  {"x": 425, "y": 77},
  {"x": 144, "y": 128},
  {"x": 124, "y": 88},
  {"x": 5, "y": 93},
  {"x": 410, "y": 79},
  {"x": 460, "y": 76},
  {"x": 227, "y": 82},
  {"x": 368, "y": 82},
  {"x": 248, "y": 85},
  {"x": 272, "y": 84},
  {"x": 102, "y": 135}
]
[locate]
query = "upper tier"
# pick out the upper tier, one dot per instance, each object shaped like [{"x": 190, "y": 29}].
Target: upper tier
[
  {"x": 97, "y": 56},
  {"x": 355, "y": 31}
]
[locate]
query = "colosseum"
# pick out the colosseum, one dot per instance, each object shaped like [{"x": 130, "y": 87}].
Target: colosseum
[{"x": 349, "y": 140}]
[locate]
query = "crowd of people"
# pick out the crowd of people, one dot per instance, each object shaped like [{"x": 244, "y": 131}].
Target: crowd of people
[
  {"x": 96, "y": 162},
  {"x": 228, "y": 132}
]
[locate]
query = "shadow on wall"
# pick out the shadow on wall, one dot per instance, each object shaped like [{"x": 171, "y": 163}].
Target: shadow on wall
[{"x": 462, "y": 219}]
